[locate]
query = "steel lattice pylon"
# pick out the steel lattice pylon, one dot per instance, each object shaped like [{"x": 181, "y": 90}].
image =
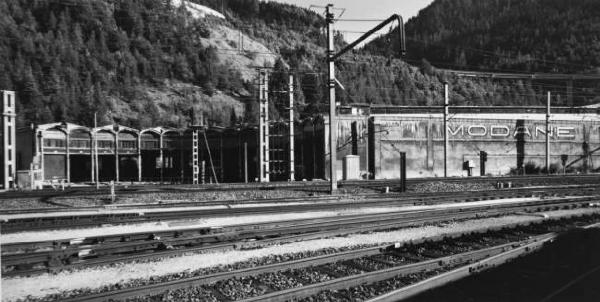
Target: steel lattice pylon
[{"x": 195, "y": 155}]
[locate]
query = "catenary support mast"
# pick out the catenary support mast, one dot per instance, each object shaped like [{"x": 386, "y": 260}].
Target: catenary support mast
[
  {"x": 548, "y": 133},
  {"x": 331, "y": 57},
  {"x": 291, "y": 126},
  {"x": 446, "y": 102},
  {"x": 264, "y": 123},
  {"x": 332, "y": 106}
]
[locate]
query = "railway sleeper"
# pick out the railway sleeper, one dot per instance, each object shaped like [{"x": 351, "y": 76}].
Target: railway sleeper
[
  {"x": 22, "y": 267},
  {"x": 329, "y": 271},
  {"x": 377, "y": 258},
  {"x": 218, "y": 294},
  {"x": 354, "y": 264},
  {"x": 411, "y": 257}
]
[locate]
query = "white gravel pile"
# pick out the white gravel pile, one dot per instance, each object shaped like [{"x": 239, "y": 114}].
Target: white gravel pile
[{"x": 39, "y": 286}]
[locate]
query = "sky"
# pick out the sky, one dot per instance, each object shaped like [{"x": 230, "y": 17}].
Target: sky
[{"x": 365, "y": 9}]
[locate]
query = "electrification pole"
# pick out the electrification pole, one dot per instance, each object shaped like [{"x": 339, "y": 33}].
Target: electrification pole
[
  {"x": 96, "y": 168},
  {"x": 263, "y": 100},
  {"x": 331, "y": 57},
  {"x": 291, "y": 125},
  {"x": 92, "y": 153},
  {"x": 195, "y": 155},
  {"x": 332, "y": 108},
  {"x": 446, "y": 102},
  {"x": 548, "y": 134}
]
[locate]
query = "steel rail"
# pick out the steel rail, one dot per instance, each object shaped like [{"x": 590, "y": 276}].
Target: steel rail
[
  {"x": 464, "y": 271},
  {"x": 505, "y": 252},
  {"x": 100, "y": 216},
  {"x": 288, "y": 200},
  {"x": 306, "y": 229},
  {"x": 310, "y": 185},
  {"x": 110, "y": 253},
  {"x": 294, "y": 223},
  {"x": 154, "y": 289}
]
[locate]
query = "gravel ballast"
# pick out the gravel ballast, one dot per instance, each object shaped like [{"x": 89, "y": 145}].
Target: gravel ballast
[
  {"x": 227, "y": 221},
  {"x": 40, "y": 286}
]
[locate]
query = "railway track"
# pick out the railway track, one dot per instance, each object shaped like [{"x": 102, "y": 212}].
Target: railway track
[
  {"x": 40, "y": 219},
  {"x": 50, "y": 256},
  {"x": 378, "y": 273},
  {"x": 310, "y": 185}
]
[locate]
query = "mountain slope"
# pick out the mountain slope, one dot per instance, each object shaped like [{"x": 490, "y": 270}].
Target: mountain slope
[
  {"x": 122, "y": 59},
  {"x": 509, "y": 36},
  {"x": 145, "y": 63},
  {"x": 522, "y": 35},
  {"x": 69, "y": 59}
]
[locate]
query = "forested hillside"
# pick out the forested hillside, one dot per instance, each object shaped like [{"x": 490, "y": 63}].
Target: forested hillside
[
  {"x": 524, "y": 35},
  {"x": 150, "y": 62},
  {"x": 69, "y": 59},
  {"x": 528, "y": 36},
  {"x": 297, "y": 34}
]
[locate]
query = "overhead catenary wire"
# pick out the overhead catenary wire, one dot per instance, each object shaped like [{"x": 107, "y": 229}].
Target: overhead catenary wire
[
  {"x": 482, "y": 51},
  {"x": 490, "y": 53},
  {"x": 359, "y": 20}
]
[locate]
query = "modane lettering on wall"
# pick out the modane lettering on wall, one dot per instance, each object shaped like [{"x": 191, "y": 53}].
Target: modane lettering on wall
[
  {"x": 506, "y": 131},
  {"x": 496, "y": 130}
]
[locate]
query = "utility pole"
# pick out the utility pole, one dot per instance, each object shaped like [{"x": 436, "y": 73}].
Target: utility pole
[
  {"x": 291, "y": 125},
  {"x": 332, "y": 108},
  {"x": 162, "y": 156},
  {"x": 96, "y": 151},
  {"x": 446, "y": 102},
  {"x": 548, "y": 134},
  {"x": 245, "y": 162},
  {"x": 116, "y": 131},
  {"x": 92, "y": 155}
]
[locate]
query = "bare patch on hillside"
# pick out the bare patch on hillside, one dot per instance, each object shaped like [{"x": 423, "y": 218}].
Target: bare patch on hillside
[
  {"x": 172, "y": 104},
  {"x": 238, "y": 51}
]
